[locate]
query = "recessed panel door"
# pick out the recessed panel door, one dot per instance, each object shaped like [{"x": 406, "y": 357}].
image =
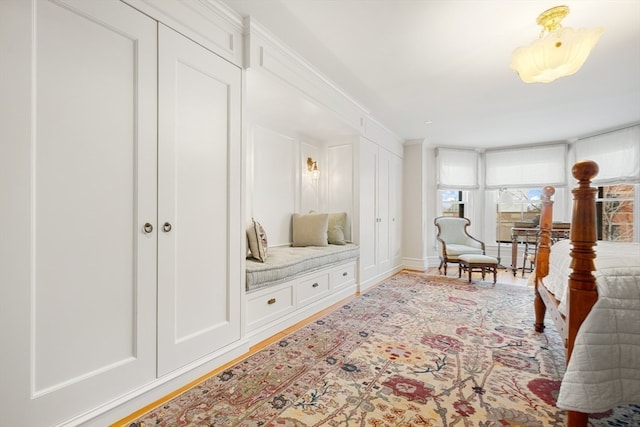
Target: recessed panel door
[
  {"x": 199, "y": 167},
  {"x": 384, "y": 198},
  {"x": 86, "y": 289},
  {"x": 368, "y": 211}
]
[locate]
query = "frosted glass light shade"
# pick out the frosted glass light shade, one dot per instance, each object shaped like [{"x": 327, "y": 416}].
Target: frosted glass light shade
[{"x": 560, "y": 53}]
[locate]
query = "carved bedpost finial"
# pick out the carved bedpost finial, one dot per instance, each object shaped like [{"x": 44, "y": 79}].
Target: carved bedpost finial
[
  {"x": 544, "y": 238},
  {"x": 583, "y": 223},
  {"x": 585, "y": 170},
  {"x": 542, "y": 256},
  {"x": 582, "y": 284}
]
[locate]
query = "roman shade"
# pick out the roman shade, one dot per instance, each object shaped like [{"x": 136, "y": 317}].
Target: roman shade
[
  {"x": 457, "y": 169},
  {"x": 526, "y": 167},
  {"x": 617, "y": 154}
]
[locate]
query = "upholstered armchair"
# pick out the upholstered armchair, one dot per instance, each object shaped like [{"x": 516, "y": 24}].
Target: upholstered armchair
[{"x": 453, "y": 240}]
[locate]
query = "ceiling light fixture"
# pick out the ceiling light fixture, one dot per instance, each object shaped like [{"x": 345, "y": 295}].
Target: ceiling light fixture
[{"x": 560, "y": 51}]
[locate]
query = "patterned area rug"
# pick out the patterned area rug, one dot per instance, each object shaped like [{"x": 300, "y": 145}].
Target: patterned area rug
[{"x": 415, "y": 350}]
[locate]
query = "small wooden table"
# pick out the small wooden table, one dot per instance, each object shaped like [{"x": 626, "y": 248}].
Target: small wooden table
[
  {"x": 529, "y": 235},
  {"x": 478, "y": 263}
]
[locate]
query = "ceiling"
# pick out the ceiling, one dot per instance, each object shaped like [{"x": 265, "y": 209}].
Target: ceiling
[{"x": 409, "y": 62}]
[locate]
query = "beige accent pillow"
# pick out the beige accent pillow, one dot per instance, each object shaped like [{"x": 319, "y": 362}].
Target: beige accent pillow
[
  {"x": 335, "y": 229},
  {"x": 257, "y": 241},
  {"x": 310, "y": 229},
  {"x": 337, "y": 222}
]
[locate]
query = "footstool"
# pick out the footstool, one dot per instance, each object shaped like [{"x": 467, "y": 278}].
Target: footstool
[{"x": 478, "y": 263}]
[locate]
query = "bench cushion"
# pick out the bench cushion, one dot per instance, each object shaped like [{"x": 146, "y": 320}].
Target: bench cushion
[
  {"x": 285, "y": 262},
  {"x": 478, "y": 259}
]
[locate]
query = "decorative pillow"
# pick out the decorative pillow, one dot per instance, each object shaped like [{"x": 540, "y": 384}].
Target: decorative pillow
[
  {"x": 310, "y": 229},
  {"x": 337, "y": 222},
  {"x": 257, "y": 241}
]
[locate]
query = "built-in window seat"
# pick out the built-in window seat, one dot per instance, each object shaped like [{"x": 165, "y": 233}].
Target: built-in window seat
[
  {"x": 286, "y": 262},
  {"x": 294, "y": 283}
]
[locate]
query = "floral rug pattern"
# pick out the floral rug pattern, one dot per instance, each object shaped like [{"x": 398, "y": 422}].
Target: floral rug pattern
[{"x": 416, "y": 350}]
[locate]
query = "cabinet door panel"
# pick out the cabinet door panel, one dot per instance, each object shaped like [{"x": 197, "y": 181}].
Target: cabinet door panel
[
  {"x": 198, "y": 289},
  {"x": 88, "y": 179},
  {"x": 383, "y": 201},
  {"x": 368, "y": 214},
  {"x": 395, "y": 211},
  {"x": 84, "y": 293}
]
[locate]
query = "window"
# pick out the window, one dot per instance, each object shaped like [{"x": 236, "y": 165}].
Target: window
[
  {"x": 615, "y": 212},
  {"x": 452, "y": 202},
  {"x": 517, "y": 208}
]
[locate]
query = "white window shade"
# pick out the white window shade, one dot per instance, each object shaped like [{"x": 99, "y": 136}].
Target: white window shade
[
  {"x": 526, "y": 167},
  {"x": 457, "y": 169},
  {"x": 616, "y": 153}
]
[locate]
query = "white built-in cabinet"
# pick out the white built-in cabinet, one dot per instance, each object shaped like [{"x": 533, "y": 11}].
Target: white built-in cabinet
[
  {"x": 395, "y": 210},
  {"x": 380, "y": 204},
  {"x": 198, "y": 201},
  {"x": 121, "y": 197}
]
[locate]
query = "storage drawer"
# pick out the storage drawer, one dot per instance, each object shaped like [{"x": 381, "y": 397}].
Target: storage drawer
[
  {"x": 342, "y": 275},
  {"x": 268, "y": 305},
  {"x": 312, "y": 289}
]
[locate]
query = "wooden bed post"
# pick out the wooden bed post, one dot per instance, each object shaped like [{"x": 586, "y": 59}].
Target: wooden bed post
[
  {"x": 582, "y": 284},
  {"x": 542, "y": 255}
]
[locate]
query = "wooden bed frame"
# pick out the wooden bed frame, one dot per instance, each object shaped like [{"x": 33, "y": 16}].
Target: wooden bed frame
[{"x": 582, "y": 292}]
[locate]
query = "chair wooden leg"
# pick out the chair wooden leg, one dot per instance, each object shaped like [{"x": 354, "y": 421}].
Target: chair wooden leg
[{"x": 440, "y": 266}]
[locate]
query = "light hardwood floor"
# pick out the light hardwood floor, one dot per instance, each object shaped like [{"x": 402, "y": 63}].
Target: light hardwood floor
[{"x": 504, "y": 276}]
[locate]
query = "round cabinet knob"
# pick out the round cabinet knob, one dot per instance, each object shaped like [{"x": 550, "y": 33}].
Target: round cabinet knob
[
  {"x": 166, "y": 227},
  {"x": 148, "y": 228}
]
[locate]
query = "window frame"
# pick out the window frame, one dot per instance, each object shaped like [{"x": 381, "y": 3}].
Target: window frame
[
  {"x": 461, "y": 201},
  {"x": 604, "y": 198}
]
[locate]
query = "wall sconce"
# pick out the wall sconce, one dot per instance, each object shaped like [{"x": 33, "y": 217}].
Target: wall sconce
[{"x": 312, "y": 166}]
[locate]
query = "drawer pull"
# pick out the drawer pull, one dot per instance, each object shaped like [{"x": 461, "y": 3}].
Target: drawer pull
[
  {"x": 271, "y": 301},
  {"x": 315, "y": 285},
  {"x": 345, "y": 274}
]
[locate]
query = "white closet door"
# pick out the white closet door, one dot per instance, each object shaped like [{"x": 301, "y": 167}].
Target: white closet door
[
  {"x": 199, "y": 167},
  {"x": 82, "y": 308},
  {"x": 368, "y": 212},
  {"x": 395, "y": 211},
  {"x": 384, "y": 198}
]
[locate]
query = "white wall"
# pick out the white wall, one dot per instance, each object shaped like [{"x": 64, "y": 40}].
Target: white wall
[
  {"x": 279, "y": 184},
  {"x": 432, "y": 207},
  {"x": 415, "y": 205},
  {"x": 272, "y": 182},
  {"x": 340, "y": 181}
]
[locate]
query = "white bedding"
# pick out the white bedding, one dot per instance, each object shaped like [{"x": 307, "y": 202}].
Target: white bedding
[
  {"x": 604, "y": 369},
  {"x": 612, "y": 259}
]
